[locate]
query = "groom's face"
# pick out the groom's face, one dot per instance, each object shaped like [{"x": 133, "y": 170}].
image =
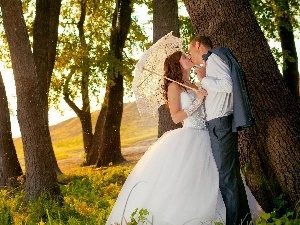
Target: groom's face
[{"x": 195, "y": 53}]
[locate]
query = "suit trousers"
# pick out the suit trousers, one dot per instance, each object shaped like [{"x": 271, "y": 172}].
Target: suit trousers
[{"x": 224, "y": 145}]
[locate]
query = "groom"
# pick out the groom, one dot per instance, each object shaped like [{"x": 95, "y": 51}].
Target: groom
[{"x": 228, "y": 109}]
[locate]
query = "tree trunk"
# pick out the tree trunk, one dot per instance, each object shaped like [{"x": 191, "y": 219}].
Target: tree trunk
[
  {"x": 287, "y": 40},
  {"x": 110, "y": 149},
  {"x": 270, "y": 150},
  {"x": 165, "y": 122},
  {"x": 94, "y": 150},
  {"x": 85, "y": 118},
  {"x": 85, "y": 113},
  {"x": 45, "y": 35},
  {"x": 165, "y": 20},
  {"x": 32, "y": 110},
  {"x": 10, "y": 167},
  {"x": 110, "y": 145}
]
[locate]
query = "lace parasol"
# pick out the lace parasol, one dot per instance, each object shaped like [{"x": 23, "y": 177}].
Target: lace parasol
[{"x": 148, "y": 74}]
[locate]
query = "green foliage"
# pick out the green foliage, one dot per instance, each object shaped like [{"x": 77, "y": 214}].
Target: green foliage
[
  {"x": 73, "y": 59},
  {"x": 89, "y": 197},
  {"x": 270, "y": 15},
  {"x": 5, "y": 214},
  {"x": 271, "y": 219},
  {"x": 138, "y": 216},
  {"x": 281, "y": 215},
  {"x": 28, "y": 13},
  {"x": 186, "y": 30},
  {"x": 185, "y": 25},
  {"x": 46, "y": 210}
]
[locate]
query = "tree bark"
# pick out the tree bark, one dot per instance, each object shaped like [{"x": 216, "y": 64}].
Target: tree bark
[
  {"x": 10, "y": 167},
  {"x": 110, "y": 148},
  {"x": 45, "y": 35},
  {"x": 270, "y": 151},
  {"x": 165, "y": 122},
  {"x": 165, "y": 20},
  {"x": 32, "y": 112},
  {"x": 94, "y": 150}
]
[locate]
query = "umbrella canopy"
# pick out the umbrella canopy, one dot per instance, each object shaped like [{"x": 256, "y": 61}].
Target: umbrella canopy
[{"x": 148, "y": 74}]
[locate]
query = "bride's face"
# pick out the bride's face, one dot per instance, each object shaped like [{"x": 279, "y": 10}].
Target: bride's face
[{"x": 185, "y": 62}]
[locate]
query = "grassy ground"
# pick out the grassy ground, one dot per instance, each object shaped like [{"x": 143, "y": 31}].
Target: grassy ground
[
  {"x": 67, "y": 137},
  {"x": 89, "y": 193},
  {"x": 88, "y": 198}
]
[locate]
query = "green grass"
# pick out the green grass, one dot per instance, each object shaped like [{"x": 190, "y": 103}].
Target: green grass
[
  {"x": 88, "y": 199},
  {"x": 89, "y": 194}
]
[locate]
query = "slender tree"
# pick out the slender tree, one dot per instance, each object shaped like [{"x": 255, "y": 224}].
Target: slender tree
[
  {"x": 10, "y": 167},
  {"x": 32, "y": 110},
  {"x": 270, "y": 151},
  {"x": 110, "y": 148},
  {"x": 95, "y": 147},
  {"x": 278, "y": 20},
  {"x": 83, "y": 114},
  {"x": 287, "y": 40},
  {"x": 165, "y": 19},
  {"x": 84, "y": 60}
]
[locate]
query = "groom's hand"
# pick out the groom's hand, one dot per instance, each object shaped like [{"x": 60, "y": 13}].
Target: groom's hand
[{"x": 200, "y": 71}]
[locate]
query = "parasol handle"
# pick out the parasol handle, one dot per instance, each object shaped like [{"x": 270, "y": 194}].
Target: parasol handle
[{"x": 183, "y": 85}]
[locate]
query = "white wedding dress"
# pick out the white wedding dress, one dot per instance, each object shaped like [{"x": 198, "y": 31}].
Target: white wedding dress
[{"x": 176, "y": 180}]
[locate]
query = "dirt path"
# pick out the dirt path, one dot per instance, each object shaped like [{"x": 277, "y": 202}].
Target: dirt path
[{"x": 132, "y": 154}]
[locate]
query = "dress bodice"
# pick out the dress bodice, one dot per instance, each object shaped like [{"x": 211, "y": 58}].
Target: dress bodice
[{"x": 197, "y": 119}]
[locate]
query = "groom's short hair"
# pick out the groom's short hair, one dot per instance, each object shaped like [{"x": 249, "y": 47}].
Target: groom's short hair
[{"x": 203, "y": 40}]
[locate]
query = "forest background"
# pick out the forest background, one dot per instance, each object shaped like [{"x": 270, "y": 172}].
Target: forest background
[
  {"x": 144, "y": 19},
  {"x": 59, "y": 54}
]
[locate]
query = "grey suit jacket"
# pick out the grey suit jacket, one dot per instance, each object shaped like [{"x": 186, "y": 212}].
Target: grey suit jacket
[{"x": 243, "y": 115}]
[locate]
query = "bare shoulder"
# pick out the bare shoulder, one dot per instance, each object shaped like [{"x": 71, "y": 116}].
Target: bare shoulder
[{"x": 174, "y": 87}]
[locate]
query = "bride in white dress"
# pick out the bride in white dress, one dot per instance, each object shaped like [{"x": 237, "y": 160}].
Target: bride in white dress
[{"x": 176, "y": 180}]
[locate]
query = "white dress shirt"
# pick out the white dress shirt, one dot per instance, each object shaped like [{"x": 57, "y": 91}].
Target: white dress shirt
[{"x": 218, "y": 83}]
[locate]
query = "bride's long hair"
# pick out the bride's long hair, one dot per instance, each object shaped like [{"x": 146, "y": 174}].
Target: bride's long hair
[{"x": 172, "y": 70}]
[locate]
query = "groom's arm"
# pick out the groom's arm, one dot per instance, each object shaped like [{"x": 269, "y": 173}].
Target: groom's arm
[{"x": 217, "y": 77}]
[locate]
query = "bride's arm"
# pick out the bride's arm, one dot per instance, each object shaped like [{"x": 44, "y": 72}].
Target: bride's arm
[{"x": 177, "y": 114}]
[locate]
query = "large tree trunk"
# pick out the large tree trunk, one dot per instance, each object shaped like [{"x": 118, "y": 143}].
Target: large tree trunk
[
  {"x": 271, "y": 150},
  {"x": 10, "y": 167},
  {"x": 45, "y": 35},
  {"x": 110, "y": 149},
  {"x": 32, "y": 110},
  {"x": 165, "y": 20},
  {"x": 287, "y": 40}
]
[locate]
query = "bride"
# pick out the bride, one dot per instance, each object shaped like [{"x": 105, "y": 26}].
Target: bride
[{"x": 176, "y": 180}]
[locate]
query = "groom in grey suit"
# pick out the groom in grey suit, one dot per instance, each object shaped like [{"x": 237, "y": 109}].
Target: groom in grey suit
[{"x": 228, "y": 109}]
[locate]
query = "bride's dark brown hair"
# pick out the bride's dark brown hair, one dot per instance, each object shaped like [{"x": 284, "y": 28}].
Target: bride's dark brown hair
[{"x": 172, "y": 70}]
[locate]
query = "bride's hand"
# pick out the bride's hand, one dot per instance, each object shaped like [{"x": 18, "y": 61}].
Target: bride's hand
[{"x": 201, "y": 93}]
